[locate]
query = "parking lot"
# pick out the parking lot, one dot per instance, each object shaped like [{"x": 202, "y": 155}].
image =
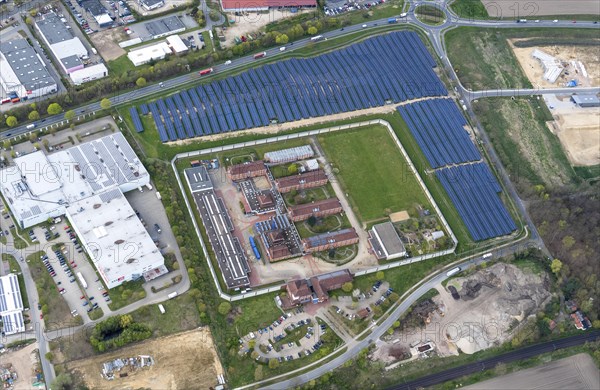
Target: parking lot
[
  {"x": 338, "y": 7},
  {"x": 292, "y": 336},
  {"x": 64, "y": 263},
  {"x": 117, "y": 10}
]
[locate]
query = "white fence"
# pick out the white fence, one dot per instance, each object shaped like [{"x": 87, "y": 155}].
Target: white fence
[{"x": 287, "y": 137}]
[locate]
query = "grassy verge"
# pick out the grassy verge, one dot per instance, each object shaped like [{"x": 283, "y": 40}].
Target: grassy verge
[
  {"x": 54, "y": 308},
  {"x": 18, "y": 242},
  {"x": 15, "y": 267},
  {"x": 518, "y": 131},
  {"x": 470, "y": 9},
  {"x": 483, "y": 58},
  {"x": 430, "y": 15},
  {"x": 373, "y": 172},
  {"x": 126, "y": 294},
  {"x": 96, "y": 314},
  {"x": 180, "y": 314}
]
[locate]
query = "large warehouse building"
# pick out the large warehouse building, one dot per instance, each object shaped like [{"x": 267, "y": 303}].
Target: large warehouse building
[
  {"x": 11, "y": 305},
  {"x": 264, "y": 5},
  {"x": 23, "y": 71},
  {"x": 86, "y": 183}
]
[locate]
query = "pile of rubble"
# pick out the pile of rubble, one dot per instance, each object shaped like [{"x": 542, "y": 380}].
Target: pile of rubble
[
  {"x": 7, "y": 376},
  {"x": 131, "y": 364}
]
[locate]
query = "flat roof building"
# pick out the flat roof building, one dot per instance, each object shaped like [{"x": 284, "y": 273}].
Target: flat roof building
[
  {"x": 150, "y": 5},
  {"x": 59, "y": 37},
  {"x": 302, "y": 181},
  {"x": 71, "y": 64},
  {"x": 164, "y": 27},
  {"x": 89, "y": 73},
  {"x": 11, "y": 305},
  {"x": 386, "y": 242},
  {"x": 147, "y": 54},
  {"x": 588, "y": 100},
  {"x": 227, "y": 249},
  {"x": 176, "y": 44},
  {"x": 319, "y": 208},
  {"x": 109, "y": 229},
  {"x": 98, "y": 11},
  {"x": 23, "y": 71},
  {"x": 331, "y": 240}
]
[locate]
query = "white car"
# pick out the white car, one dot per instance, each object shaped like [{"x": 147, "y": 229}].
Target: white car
[
  {"x": 555, "y": 21},
  {"x": 282, "y": 48},
  {"x": 537, "y": 21},
  {"x": 364, "y": 26},
  {"x": 228, "y": 62}
]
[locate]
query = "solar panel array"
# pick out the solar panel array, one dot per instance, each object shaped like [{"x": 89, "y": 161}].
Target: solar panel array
[
  {"x": 137, "y": 123},
  {"x": 385, "y": 69},
  {"x": 474, "y": 191},
  {"x": 438, "y": 127}
]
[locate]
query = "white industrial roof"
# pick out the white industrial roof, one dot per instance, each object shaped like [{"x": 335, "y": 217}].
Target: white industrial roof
[
  {"x": 10, "y": 294},
  {"x": 72, "y": 47},
  {"x": 117, "y": 242},
  {"x": 176, "y": 44},
  {"x": 149, "y": 53},
  {"x": 90, "y": 72},
  {"x": 39, "y": 184}
]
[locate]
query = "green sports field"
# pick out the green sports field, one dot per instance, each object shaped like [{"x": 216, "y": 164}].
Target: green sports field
[{"x": 373, "y": 172}]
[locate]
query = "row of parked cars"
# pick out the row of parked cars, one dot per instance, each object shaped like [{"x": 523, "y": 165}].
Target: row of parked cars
[{"x": 351, "y": 6}]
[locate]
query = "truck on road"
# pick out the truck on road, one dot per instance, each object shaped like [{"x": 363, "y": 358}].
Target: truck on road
[
  {"x": 317, "y": 38},
  {"x": 206, "y": 71},
  {"x": 172, "y": 295},
  {"x": 453, "y": 271},
  {"x": 392, "y": 20},
  {"x": 260, "y": 55}
]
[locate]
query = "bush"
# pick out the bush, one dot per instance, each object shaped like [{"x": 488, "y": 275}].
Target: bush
[
  {"x": 224, "y": 308},
  {"x": 54, "y": 109},
  {"x": 11, "y": 121}
]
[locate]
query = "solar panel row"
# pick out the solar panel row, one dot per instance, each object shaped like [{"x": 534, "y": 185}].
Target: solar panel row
[
  {"x": 438, "y": 127},
  {"x": 474, "y": 192},
  {"x": 137, "y": 123},
  {"x": 385, "y": 69}
]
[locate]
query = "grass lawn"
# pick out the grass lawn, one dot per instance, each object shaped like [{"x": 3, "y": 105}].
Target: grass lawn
[
  {"x": 430, "y": 15},
  {"x": 55, "y": 309},
  {"x": 309, "y": 195},
  {"x": 15, "y": 267},
  {"x": 18, "y": 242},
  {"x": 126, "y": 294},
  {"x": 181, "y": 314},
  {"x": 372, "y": 171},
  {"x": 96, "y": 314},
  {"x": 470, "y": 9},
  {"x": 518, "y": 131},
  {"x": 483, "y": 58}
]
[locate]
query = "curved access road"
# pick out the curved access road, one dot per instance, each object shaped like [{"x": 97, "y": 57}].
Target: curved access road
[{"x": 509, "y": 357}]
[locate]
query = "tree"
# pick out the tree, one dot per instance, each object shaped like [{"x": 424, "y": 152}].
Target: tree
[
  {"x": 379, "y": 275},
  {"x": 29, "y": 20},
  {"x": 33, "y": 115},
  {"x": 390, "y": 331},
  {"x": 62, "y": 382},
  {"x": 312, "y": 30},
  {"x": 273, "y": 364},
  {"x": 556, "y": 266},
  {"x": 126, "y": 320},
  {"x": 105, "y": 104},
  {"x": 254, "y": 355},
  {"x": 54, "y": 109},
  {"x": 32, "y": 137},
  {"x": 224, "y": 308},
  {"x": 292, "y": 169},
  {"x": 11, "y": 121},
  {"x": 312, "y": 220},
  {"x": 6, "y": 144},
  {"x": 347, "y": 287},
  {"x": 140, "y": 82},
  {"x": 69, "y": 115},
  {"x": 568, "y": 242},
  {"x": 282, "y": 39},
  {"x": 258, "y": 373},
  {"x": 396, "y": 324}
]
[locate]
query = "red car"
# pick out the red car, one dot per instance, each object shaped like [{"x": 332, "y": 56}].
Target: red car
[
  {"x": 67, "y": 227},
  {"x": 41, "y": 316},
  {"x": 82, "y": 297}
]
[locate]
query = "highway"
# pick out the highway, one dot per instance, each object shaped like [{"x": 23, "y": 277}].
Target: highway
[{"x": 509, "y": 357}]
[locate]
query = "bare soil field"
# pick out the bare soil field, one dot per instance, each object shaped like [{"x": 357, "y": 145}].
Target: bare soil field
[
  {"x": 23, "y": 362},
  {"x": 251, "y": 22},
  {"x": 569, "y": 55},
  {"x": 106, "y": 43},
  {"x": 578, "y": 130},
  {"x": 532, "y": 9},
  {"x": 574, "y": 372},
  {"x": 185, "y": 360}
]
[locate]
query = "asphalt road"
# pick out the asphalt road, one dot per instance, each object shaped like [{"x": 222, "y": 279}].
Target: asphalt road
[{"x": 486, "y": 364}]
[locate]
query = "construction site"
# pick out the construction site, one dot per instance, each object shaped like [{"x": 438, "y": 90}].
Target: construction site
[
  {"x": 470, "y": 314},
  {"x": 20, "y": 368},
  {"x": 181, "y": 361}
]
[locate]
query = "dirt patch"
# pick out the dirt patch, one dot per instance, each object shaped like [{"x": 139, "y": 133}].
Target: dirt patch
[
  {"x": 572, "y": 58},
  {"x": 252, "y": 22},
  {"x": 509, "y": 9},
  {"x": 181, "y": 361},
  {"x": 579, "y": 132},
  {"x": 492, "y": 302},
  {"x": 106, "y": 43},
  {"x": 24, "y": 362}
]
